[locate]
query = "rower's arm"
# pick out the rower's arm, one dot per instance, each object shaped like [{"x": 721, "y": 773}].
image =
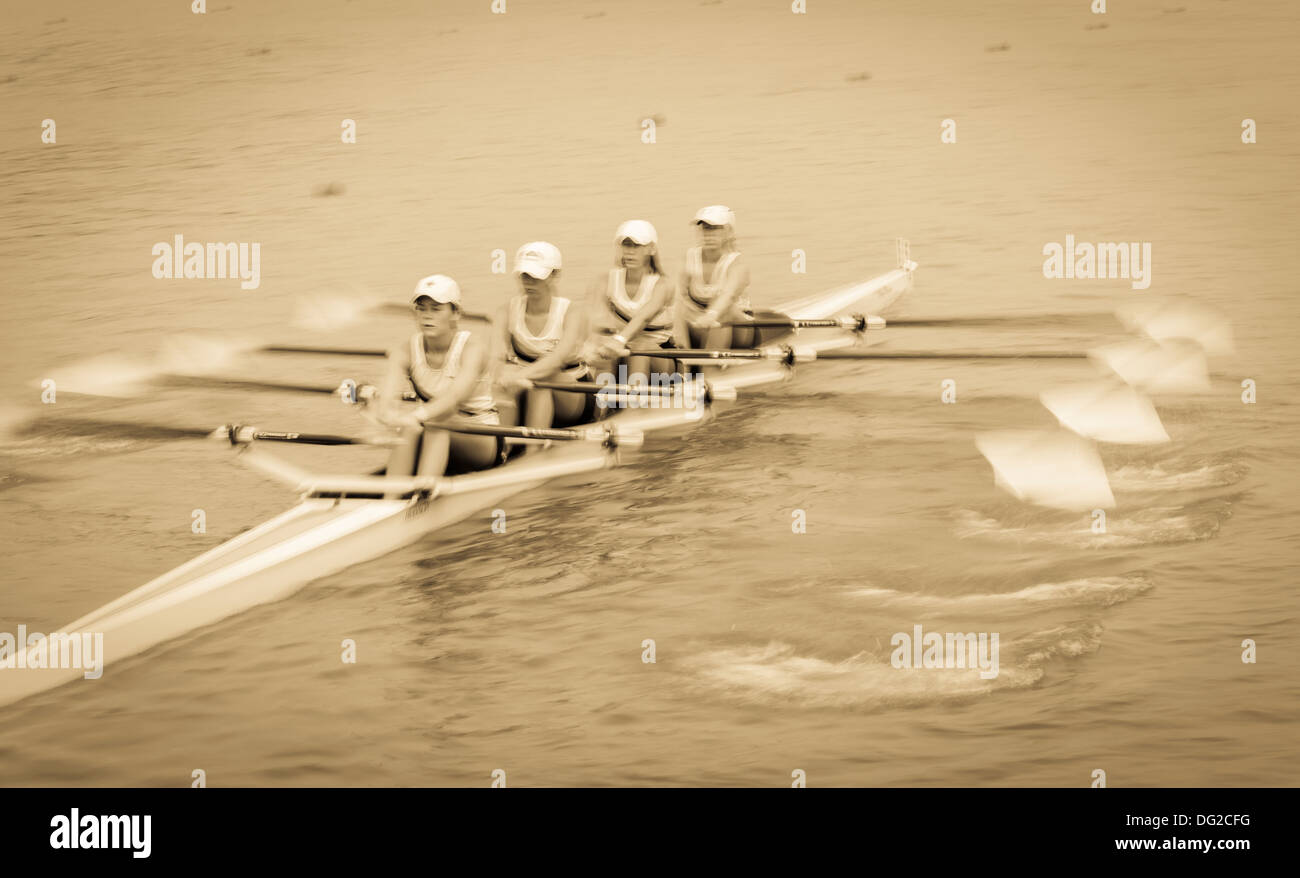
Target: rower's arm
[
  {"x": 575, "y": 332},
  {"x": 473, "y": 361},
  {"x": 737, "y": 280},
  {"x": 387, "y": 401},
  {"x": 658, "y": 298}
]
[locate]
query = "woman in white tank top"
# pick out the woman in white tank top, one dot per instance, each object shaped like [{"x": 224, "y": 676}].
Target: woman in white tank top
[
  {"x": 447, "y": 367},
  {"x": 539, "y": 336},
  {"x": 712, "y": 290},
  {"x": 633, "y": 303}
]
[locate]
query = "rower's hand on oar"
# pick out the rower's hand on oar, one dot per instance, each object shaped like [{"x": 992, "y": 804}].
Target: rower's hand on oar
[
  {"x": 707, "y": 321},
  {"x": 517, "y": 384},
  {"x": 412, "y": 420},
  {"x": 613, "y": 347}
]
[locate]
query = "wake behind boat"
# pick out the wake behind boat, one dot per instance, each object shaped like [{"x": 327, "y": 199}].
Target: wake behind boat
[{"x": 343, "y": 521}]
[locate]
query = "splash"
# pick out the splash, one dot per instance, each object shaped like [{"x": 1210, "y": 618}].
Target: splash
[
  {"x": 1148, "y": 479},
  {"x": 1148, "y": 527},
  {"x": 776, "y": 673},
  {"x": 1105, "y": 591}
]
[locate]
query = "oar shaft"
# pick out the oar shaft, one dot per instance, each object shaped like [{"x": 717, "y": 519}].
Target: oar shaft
[
  {"x": 788, "y": 324},
  {"x": 340, "y": 352},
  {"x": 512, "y": 432},
  {"x": 699, "y": 354},
  {"x": 396, "y": 308},
  {"x": 234, "y": 433},
  {"x": 612, "y": 389},
  {"x": 241, "y": 384},
  {"x": 240, "y": 435},
  {"x": 1005, "y": 320},
  {"x": 948, "y": 355}
]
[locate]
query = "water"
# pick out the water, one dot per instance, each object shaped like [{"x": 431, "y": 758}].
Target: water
[{"x": 522, "y": 651}]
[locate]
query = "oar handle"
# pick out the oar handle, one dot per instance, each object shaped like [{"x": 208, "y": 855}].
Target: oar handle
[
  {"x": 237, "y": 434},
  {"x": 353, "y": 393}
]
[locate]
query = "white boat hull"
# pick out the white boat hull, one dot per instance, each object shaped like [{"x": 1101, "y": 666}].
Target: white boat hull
[
  {"x": 316, "y": 538},
  {"x": 321, "y": 536}
]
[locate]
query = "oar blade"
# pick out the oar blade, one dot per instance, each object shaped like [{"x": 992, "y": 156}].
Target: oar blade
[
  {"x": 113, "y": 375},
  {"x": 1174, "y": 366},
  {"x": 109, "y": 429},
  {"x": 1107, "y": 412},
  {"x": 1056, "y": 469},
  {"x": 109, "y": 375},
  {"x": 1169, "y": 320},
  {"x": 329, "y": 312},
  {"x": 192, "y": 354}
]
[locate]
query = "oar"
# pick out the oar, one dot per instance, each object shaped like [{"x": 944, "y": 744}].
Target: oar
[
  {"x": 338, "y": 352},
  {"x": 993, "y": 320},
  {"x": 214, "y": 383},
  {"x": 241, "y": 435},
  {"x": 873, "y": 354},
  {"x": 1049, "y": 468},
  {"x": 1171, "y": 366},
  {"x": 859, "y": 322},
  {"x": 1168, "y": 320},
  {"x": 1108, "y": 411},
  {"x": 331, "y": 311},
  {"x": 236, "y": 435},
  {"x": 403, "y": 309},
  {"x": 782, "y": 352},
  {"x": 608, "y": 435},
  {"x": 349, "y": 390},
  {"x": 854, "y": 323},
  {"x": 701, "y": 388}
]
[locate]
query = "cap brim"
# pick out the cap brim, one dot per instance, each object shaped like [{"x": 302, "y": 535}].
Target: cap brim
[
  {"x": 534, "y": 269},
  {"x": 714, "y": 217}
]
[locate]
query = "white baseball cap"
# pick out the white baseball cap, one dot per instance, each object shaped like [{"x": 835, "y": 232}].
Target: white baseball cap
[
  {"x": 538, "y": 259},
  {"x": 438, "y": 287},
  {"x": 640, "y": 231},
  {"x": 715, "y": 215}
]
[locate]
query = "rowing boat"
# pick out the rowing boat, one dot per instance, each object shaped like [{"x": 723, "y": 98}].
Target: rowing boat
[{"x": 343, "y": 521}]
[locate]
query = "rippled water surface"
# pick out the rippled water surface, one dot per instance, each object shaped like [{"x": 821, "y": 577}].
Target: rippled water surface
[{"x": 522, "y": 650}]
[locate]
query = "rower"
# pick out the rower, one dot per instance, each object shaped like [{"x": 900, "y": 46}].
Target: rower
[
  {"x": 713, "y": 286},
  {"x": 643, "y": 319},
  {"x": 540, "y": 335},
  {"x": 446, "y": 366}
]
